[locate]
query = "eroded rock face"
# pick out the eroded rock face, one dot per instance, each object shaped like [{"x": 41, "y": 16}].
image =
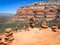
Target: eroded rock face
[
  {"x": 55, "y": 27},
  {"x": 44, "y": 25},
  {"x": 7, "y": 37},
  {"x": 2, "y": 41},
  {"x": 27, "y": 11},
  {"x": 35, "y": 10}
]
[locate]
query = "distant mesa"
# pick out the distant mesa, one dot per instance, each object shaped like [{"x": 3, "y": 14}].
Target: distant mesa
[{"x": 6, "y": 15}]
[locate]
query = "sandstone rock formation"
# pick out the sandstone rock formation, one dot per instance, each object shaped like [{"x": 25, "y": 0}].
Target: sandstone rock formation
[
  {"x": 38, "y": 8},
  {"x": 37, "y": 37}
]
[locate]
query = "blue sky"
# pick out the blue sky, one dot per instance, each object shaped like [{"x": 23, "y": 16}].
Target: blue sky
[{"x": 11, "y": 6}]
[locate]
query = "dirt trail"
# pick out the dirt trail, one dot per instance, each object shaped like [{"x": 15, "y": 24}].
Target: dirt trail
[{"x": 37, "y": 37}]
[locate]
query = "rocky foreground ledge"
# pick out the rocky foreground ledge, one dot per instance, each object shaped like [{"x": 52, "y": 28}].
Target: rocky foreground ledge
[{"x": 37, "y": 37}]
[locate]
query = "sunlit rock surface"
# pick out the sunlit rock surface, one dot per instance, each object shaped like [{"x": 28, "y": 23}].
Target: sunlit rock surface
[{"x": 37, "y": 37}]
